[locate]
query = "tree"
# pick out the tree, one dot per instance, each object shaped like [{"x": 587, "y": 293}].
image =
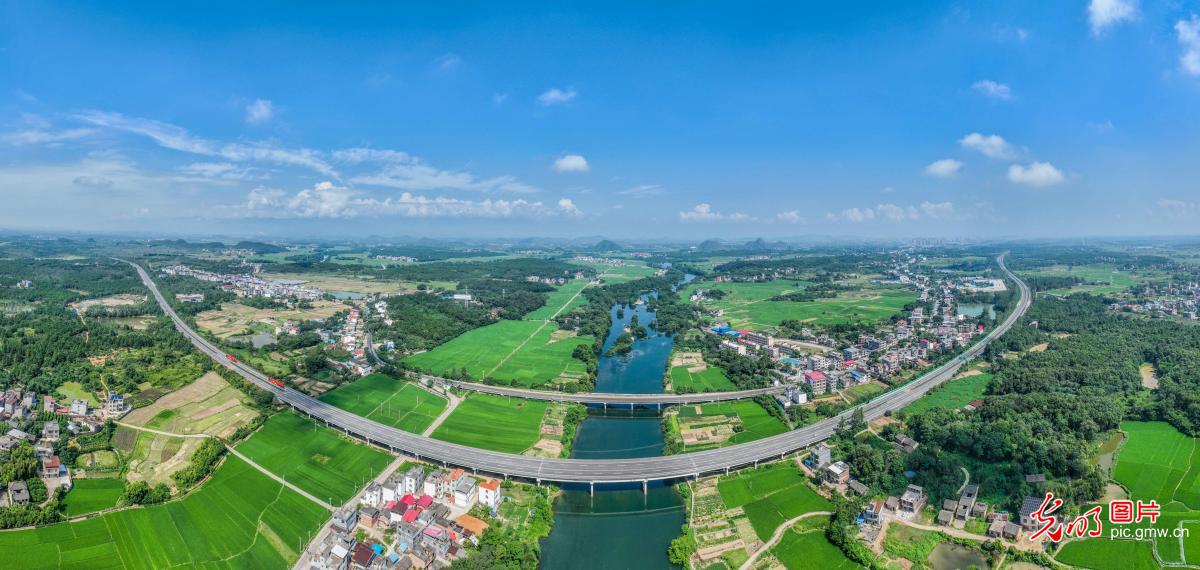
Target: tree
[{"x": 682, "y": 547}]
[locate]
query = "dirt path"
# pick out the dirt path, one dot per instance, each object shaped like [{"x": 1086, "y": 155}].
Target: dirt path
[
  {"x": 749, "y": 563},
  {"x": 538, "y": 330},
  {"x": 237, "y": 454}
]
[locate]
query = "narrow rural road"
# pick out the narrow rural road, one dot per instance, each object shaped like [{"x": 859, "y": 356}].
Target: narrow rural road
[
  {"x": 749, "y": 563},
  {"x": 453, "y": 400},
  {"x": 239, "y": 455}
]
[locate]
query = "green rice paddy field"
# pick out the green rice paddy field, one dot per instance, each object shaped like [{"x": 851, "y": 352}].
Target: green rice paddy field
[
  {"x": 1155, "y": 462},
  {"x": 810, "y": 549},
  {"x": 748, "y": 305},
  {"x": 953, "y": 394},
  {"x": 562, "y": 300},
  {"x": 494, "y": 422},
  {"x": 379, "y": 397},
  {"x": 1099, "y": 279},
  {"x": 239, "y": 519},
  {"x": 770, "y": 495},
  {"x": 711, "y": 379},
  {"x": 757, "y": 423},
  {"x": 313, "y": 457},
  {"x": 91, "y": 495},
  {"x": 533, "y": 353}
]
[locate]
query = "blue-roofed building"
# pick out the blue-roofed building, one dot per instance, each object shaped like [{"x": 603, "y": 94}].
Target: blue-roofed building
[{"x": 792, "y": 361}]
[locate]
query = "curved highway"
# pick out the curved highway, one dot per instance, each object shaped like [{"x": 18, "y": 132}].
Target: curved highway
[{"x": 593, "y": 470}]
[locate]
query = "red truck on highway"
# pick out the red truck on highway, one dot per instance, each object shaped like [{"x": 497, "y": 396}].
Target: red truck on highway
[
  {"x": 276, "y": 382},
  {"x": 232, "y": 358}
]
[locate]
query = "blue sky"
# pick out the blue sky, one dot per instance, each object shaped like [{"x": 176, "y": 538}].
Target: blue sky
[{"x": 700, "y": 120}]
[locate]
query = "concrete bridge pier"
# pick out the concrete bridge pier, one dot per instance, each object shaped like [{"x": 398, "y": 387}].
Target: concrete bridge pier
[
  {"x": 591, "y": 488},
  {"x": 645, "y": 487}
]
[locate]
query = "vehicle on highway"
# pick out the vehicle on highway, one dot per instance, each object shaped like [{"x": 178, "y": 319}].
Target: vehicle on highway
[
  {"x": 232, "y": 358},
  {"x": 276, "y": 382}
]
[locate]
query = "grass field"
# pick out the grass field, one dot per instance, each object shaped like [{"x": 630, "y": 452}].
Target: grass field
[
  {"x": 75, "y": 391},
  {"x": 533, "y": 353},
  {"x": 1154, "y": 461},
  {"x": 953, "y": 394},
  {"x": 810, "y": 549},
  {"x": 564, "y": 299},
  {"x": 1099, "y": 279},
  {"x": 711, "y": 379},
  {"x": 91, "y": 495},
  {"x": 748, "y": 305},
  {"x": 1104, "y": 554},
  {"x": 767, "y": 513},
  {"x": 239, "y": 519},
  {"x": 756, "y": 422},
  {"x": 740, "y": 489},
  {"x": 352, "y": 284},
  {"x": 493, "y": 422},
  {"x": 312, "y": 457},
  {"x": 388, "y": 401}
]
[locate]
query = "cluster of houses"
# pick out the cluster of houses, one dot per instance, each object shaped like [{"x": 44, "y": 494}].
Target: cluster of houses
[
  {"x": 351, "y": 336},
  {"x": 884, "y": 353},
  {"x": 1165, "y": 300},
  {"x": 613, "y": 261},
  {"x": 248, "y": 285},
  {"x": 413, "y": 519},
  {"x": 20, "y": 407}
]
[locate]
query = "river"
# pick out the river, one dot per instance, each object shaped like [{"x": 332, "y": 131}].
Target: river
[{"x": 619, "y": 526}]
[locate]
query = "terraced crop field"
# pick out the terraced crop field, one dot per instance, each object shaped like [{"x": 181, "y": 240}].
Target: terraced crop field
[{"x": 240, "y": 518}]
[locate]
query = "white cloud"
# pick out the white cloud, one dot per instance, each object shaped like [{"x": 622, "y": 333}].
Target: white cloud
[
  {"x": 1188, "y": 34},
  {"x": 556, "y": 96},
  {"x": 220, "y": 171},
  {"x": 43, "y": 136},
  {"x": 1103, "y": 14},
  {"x": 327, "y": 200},
  {"x": 944, "y": 168},
  {"x": 1038, "y": 174},
  {"x": 992, "y": 146},
  {"x": 448, "y": 62},
  {"x": 642, "y": 190},
  {"x": 177, "y": 138},
  {"x": 705, "y": 213},
  {"x": 993, "y": 90},
  {"x": 1179, "y": 209},
  {"x": 941, "y": 211},
  {"x": 407, "y": 172},
  {"x": 571, "y": 163},
  {"x": 259, "y": 112},
  {"x": 790, "y": 216},
  {"x": 568, "y": 208}
]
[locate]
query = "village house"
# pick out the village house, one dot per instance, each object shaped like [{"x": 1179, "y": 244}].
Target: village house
[
  {"x": 465, "y": 492},
  {"x": 1029, "y": 505},
  {"x": 414, "y": 480},
  {"x": 913, "y": 499},
  {"x": 837, "y": 473},
  {"x": 50, "y": 431},
  {"x": 490, "y": 494}
]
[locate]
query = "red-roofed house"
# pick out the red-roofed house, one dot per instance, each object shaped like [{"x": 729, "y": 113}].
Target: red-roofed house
[
  {"x": 408, "y": 500},
  {"x": 425, "y": 501},
  {"x": 411, "y": 515},
  {"x": 817, "y": 380},
  {"x": 489, "y": 493}
]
